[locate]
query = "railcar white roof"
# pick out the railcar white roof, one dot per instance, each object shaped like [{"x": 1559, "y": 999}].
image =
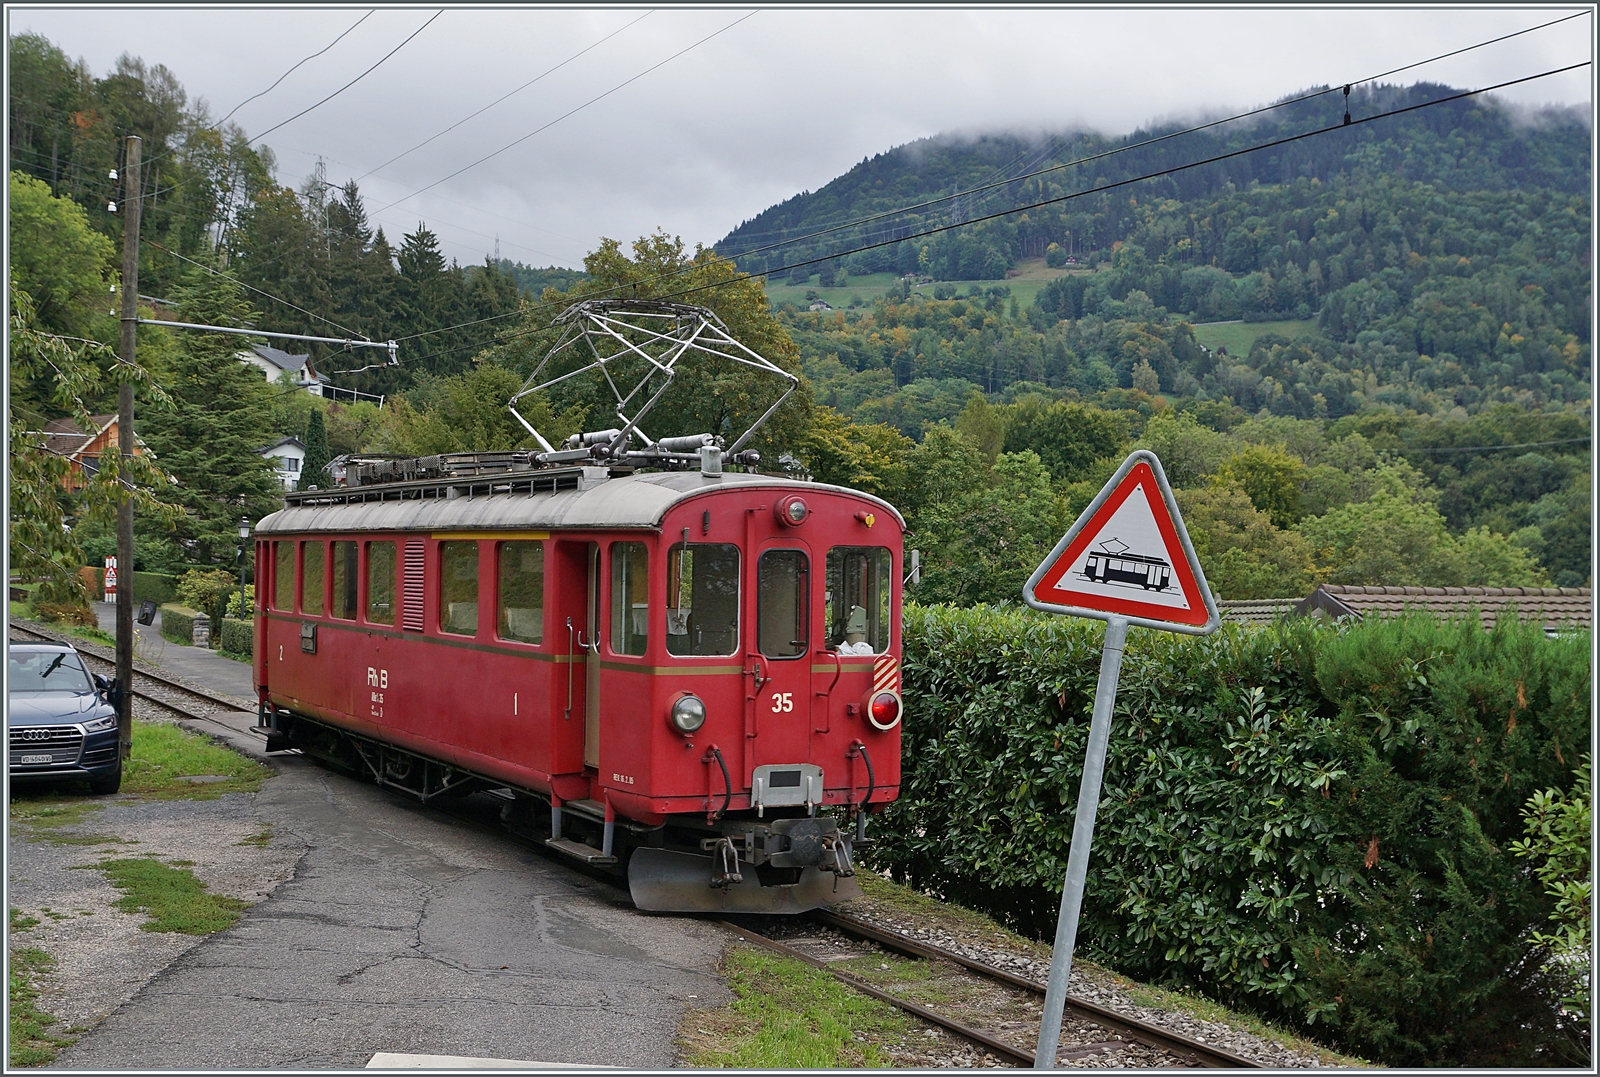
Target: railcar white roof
[{"x": 629, "y": 501}]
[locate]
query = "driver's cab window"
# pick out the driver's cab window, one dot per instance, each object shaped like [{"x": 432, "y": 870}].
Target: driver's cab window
[
  {"x": 860, "y": 580},
  {"x": 783, "y": 582}
]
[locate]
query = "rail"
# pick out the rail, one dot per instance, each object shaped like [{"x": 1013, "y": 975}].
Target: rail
[
  {"x": 92, "y": 653},
  {"x": 1143, "y": 1031}
]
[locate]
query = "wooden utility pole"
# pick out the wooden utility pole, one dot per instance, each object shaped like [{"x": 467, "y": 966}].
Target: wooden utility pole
[{"x": 132, "y": 203}]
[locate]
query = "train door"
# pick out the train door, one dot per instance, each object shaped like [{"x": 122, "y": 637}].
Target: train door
[
  {"x": 591, "y": 663},
  {"x": 571, "y": 585},
  {"x": 780, "y": 668}
]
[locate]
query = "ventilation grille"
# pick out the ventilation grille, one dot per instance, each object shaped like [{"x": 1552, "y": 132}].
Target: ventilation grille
[{"x": 412, "y": 619}]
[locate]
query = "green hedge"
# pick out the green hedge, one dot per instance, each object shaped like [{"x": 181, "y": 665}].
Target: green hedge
[
  {"x": 1308, "y": 820},
  {"x": 237, "y": 637},
  {"x": 177, "y": 623},
  {"x": 157, "y": 587}
]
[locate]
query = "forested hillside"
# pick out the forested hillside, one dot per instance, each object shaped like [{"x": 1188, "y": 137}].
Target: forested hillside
[{"x": 1470, "y": 145}]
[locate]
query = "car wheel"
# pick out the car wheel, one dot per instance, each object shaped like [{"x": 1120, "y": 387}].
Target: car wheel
[{"x": 105, "y": 786}]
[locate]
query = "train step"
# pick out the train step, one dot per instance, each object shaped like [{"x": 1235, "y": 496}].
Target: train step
[
  {"x": 594, "y": 809},
  {"x": 579, "y": 851}
]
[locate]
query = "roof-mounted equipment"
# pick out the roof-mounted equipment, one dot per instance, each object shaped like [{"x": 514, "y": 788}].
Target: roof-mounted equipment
[{"x": 657, "y": 335}]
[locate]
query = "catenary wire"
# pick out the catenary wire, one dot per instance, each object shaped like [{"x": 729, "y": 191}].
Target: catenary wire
[
  {"x": 1018, "y": 179},
  {"x": 740, "y": 277},
  {"x": 295, "y": 68},
  {"x": 565, "y": 115},
  {"x": 351, "y": 83},
  {"x": 502, "y": 97}
]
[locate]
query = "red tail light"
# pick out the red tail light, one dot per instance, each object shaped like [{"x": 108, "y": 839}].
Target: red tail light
[{"x": 884, "y": 710}]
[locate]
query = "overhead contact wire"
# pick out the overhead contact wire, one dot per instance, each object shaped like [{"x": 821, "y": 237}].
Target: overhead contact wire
[
  {"x": 565, "y": 115},
  {"x": 502, "y": 97},
  {"x": 351, "y": 83}
]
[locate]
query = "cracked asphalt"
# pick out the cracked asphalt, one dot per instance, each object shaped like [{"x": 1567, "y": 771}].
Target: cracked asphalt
[{"x": 406, "y": 929}]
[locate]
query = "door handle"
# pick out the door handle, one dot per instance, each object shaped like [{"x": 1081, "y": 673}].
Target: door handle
[
  {"x": 572, "y": 652},
  {"x": 838, "y": 670}
]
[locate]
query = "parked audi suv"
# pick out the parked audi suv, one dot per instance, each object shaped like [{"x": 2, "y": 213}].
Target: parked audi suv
[{"x": 62, "y": 720}]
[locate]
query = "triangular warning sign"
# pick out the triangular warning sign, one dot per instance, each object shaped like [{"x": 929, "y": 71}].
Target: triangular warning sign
[{"x": 1128, "y": 556}]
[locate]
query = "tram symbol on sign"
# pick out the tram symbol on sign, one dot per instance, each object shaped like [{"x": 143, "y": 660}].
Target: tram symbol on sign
[{"x": 1112, "y": 563}]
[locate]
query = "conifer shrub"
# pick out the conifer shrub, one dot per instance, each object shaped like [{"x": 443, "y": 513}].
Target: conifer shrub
[{"x": 1309, "y": 820}]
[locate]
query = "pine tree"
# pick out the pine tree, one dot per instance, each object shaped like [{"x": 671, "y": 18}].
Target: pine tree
[
  {"x": 314, "y": 472},
  {"x": 209, "y": 434}
]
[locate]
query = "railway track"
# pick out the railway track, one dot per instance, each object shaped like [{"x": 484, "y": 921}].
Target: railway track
[
  {"x": 1090, "y": 1030},
  {"x": 167, "y": 695}
]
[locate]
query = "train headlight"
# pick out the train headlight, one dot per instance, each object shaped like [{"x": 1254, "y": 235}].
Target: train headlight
[
  {"x": 883, "y": 711},
  {"x": 792, "y": 511},
  {"x": 688, "y": 714}
]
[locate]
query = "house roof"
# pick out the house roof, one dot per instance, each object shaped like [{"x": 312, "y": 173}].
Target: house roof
[
  {"x": 1550, "y": 606},
  {"x": 294, "y": 441},
  {"x": 65, "y": 437},
  {"x": 280, "y": 358},
  {"x": 1257, "y": 611}
]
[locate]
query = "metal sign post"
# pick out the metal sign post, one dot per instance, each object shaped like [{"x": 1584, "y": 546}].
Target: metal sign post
[{"x": 1126, "y": 561}]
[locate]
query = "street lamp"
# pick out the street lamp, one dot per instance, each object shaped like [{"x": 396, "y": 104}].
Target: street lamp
[{"x": 244, "y": 537}]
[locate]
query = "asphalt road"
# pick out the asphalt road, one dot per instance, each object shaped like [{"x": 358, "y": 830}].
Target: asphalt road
[{"x": 409, "y": 930}]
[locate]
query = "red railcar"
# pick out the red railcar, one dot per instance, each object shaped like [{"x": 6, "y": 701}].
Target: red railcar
[{"x": 698, "y": 673}]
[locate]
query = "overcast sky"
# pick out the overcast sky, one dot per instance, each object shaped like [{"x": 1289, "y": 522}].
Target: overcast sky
[{"x": 776, "y": 102}]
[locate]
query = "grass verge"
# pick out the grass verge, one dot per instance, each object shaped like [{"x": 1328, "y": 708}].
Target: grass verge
[
  {"x": 172, "y": 898},
  {"x": 23, "y": 611},
  {"x": 164, "y": 756},
  {"x": 30, "y": 1040},
  {"x": 788, "y": 1015}
]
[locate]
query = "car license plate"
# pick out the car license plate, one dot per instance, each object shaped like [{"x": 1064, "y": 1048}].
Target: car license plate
[{"x": 37, "y": 759}]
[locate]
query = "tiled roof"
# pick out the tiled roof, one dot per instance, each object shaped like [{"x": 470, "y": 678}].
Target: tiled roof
[
  {"x": 65, "y": 436},
  {"x": 1570, "y": 606},
  {"x": 1260, "y": 611}
]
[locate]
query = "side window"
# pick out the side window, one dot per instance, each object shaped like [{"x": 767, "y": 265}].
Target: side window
[
  {"x": 458, "y": 588},
  {"x": 283, "y": 575},
  {"x": 521, "y": 591},
  {"x": 859, "y": 587},
  {"x": 783, "y": 584},
  {"x": 346, "y": 572},
  {"x": 380, "y": 583},
  {"x": 703, "y": 599},
  {"x": 311, "y": 578},
  {"x": 630, "y": 598}
]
